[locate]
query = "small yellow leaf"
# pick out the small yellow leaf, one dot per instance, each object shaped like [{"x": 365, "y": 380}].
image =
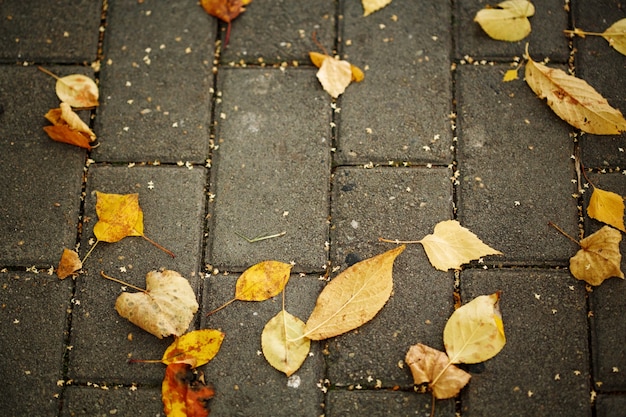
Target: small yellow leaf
[
  {"x": 283, "y": 343},
  {"x": 119, "y": 215},
  {"x": 607, "y": 207},
  {"x": 599, "y": 257},
  {"x": 433, "y": 366},
  {"x": 510, "y": 75},
  {"x": 616, "y": 36},
  {"x": 69, "y": 264},
  {"x": 354, "y": 297},
  {"x": 317, "y": 59},
  {"x": 452, "y": 245},
  {"x": 77, "y": 90},
  {"x": 195, "y": 348},
  {"x": 475, "y": 332},
  {"x": 370, "y": 6},
  {"x": 509, "y": 22},
  {"x": 262, "y": 281}
]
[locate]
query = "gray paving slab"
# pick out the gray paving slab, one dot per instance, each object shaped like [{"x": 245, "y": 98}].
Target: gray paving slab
[
  {"x": 610, "y": 405},
  {"x": 272, "y": 32},
  {"x": 156, "y": 82},
  {"x": 41, "y": 179},
  {"x": 543, "y": 369},
  {"x": 173, "y": 216},
  {"x": 272, "y": 169},
  {"x": 32, "y": 332},
  {"x": 111, "y": 401},
  {"x": 514, "y": 158},
  {"x": 245, "y": 383},
  {"x": 400, "y": 204},
  {"x": 401, "y": 110},
  {"x": 38, "y": 34},
  {"x": 342, "y": 403},
  {"x": 546, "y": 38}
]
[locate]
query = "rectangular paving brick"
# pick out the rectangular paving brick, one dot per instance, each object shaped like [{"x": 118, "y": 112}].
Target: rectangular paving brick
[
  {"x": 514, "y": 157},
  {"x": 272, "y": 169},
  {"x": 173, "y": 216},
  {"x": 112, "y": 401},
  {"x": 384, "y": 403},
  {"x": 610, "y": 405},
  {"x": 156, "y": 83},
  {"x": 543, "y": 369},
  {"x": 32, "y": 332},
  {"x": 400, "y": 111},
  {"x": 41, "y": 179}
]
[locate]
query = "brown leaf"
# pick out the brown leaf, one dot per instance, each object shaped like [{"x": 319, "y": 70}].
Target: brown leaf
[
  {"x": 68, "y": 127},
  {"x": 184, "y": 392},
  {"x": 225, "y": 10},
  {"x": 69, "y": 264},
  {"x": 607, "y": 207},
  {"x": 599, "y": 257},
  {"x": 64, "y": 134}
]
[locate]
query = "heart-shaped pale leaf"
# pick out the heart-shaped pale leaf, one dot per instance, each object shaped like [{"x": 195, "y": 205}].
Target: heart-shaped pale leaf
[
  {"x": 370, "y": 6},
  {"x": 318, "y": 59},
  {"x": 616, "y": 36},
  {"x": 607, "y": 207},
  {"x": 165, "y": 308},
  {"x": 78, "y": 91},
  {"x": 184, "y": 392},
  {"x": 509, "y": 22},
  {"x": 354, "y": 297},
  {"x": 433, "y": 366},
  {"x": 335, "y": 75},
  {"x": 452, "y": 245},
  {"x": 69, "y": 264},
  {"x": 475, "y": 332},
  {"x": 195, "y": 348},
  {"x": 599, "y": 257},
  {"x": 262, "y": 281},
  {"x": 283, "y": 343},
  {"x": 573, "y": 100},
  {"x": 119, "y": 215}
]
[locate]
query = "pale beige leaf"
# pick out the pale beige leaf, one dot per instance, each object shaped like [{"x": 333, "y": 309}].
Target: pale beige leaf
[
  {"x": 77, "y": 90},
  {"x": 573, "y": 100},
  {"x": 433, "y": 366},
  {"x": 607, "y": 207},
  {"x": 452, "y": 245},
  {"x": 370, "y": 6},
  {"x": 599, "y": 257},
  {"x": 354, "y": 297},
  {"x": 75, "y": 122},
  {"x": 335, "y": 76},
  {"x": 283, "y": 343},
  {"x": 616, "y": 36},
  {"x": 475, "y": 332},
  {"x": 509, "y": 22},
  {"x": 166, "y": 308}
]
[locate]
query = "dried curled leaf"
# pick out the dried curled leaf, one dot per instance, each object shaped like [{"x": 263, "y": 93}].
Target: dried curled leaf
[
  {"x": 607, "y": 207},
  {"x": 195, "y": 348},
  {"x": 69, "y": 264},
  {"x": 599, "y": 257},
  {"x": 509, "y": 22},
  {"x": 68, "y": 127},
  {"x": 616, "y": 36},
  {"x": 371, "y": 6},
  {"x": 283, "y": 344},
  {"x": 225, "y": 10},
  {"x": 77, "y": 90},
  {"x": 184, "y": 392},
  {"x": 262, "y": 281},
  {"x": 119, "y": 215}
]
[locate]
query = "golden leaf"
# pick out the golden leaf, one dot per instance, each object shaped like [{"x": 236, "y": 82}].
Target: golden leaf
[
  {"x": 119, "y": 215},
  {"x": 77, "y": 90},
  {"x": 607, "y": 207},
  {"x": 509, "y": 22},
  {"x": 354, "y": 297},
  {"x": 370, "y": 6},
  {"x": 195, "y": 348},
  {"x": 262, "y": 281},
  {"x": 283, "y": 344},
  {"x": 69, "y": 264},
  {"x": 616, "y": 36},
  {"x": 599, "y": 257},
  {"x": 510, "y": 75}
]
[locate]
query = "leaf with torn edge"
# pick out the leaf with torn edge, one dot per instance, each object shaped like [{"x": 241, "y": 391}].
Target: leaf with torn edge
[
  {"x": 119, "y": 215},
  {"x": 475, "y": 332},
  {"x": 452, "y": 245},
  {"x": 371, "y": 6},
  {"x": 68, "y": 127},
  {"x": 334, "y": 74},
  {"x": 69, "y": 264},
  {"x": 77, "y": 90},
  {"x": 165, "y": 308},
  {"x": 607, "y": 207},
  {"x": 195, "y": 348},
  {"x": 184, "y": 392},
  {"x": 262, "y": 281},
  {"x": 432, "y": 366},
  {"x": 283, "y": 344},
  {"x": 616, "y": 36},
  {"x": 354, "y": 297},
  {"x": 599, "y": 257},
  {"x": 509, "y": 22},
  {"x": 573, "y": 100}
]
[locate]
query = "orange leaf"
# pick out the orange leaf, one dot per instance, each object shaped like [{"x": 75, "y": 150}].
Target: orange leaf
[
  {"x": 184, "y": 392},
  {"x": 69, "y": 264},
  {"x": 119, "y": 215},
  {"x": 225, "y": 10},
  {"x": 64, "y": 134}
]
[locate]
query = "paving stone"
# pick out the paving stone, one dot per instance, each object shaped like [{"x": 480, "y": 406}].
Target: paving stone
[
  {"x": 41, "y": 179},
  {"x": 400, "y": 204},
  {"x": 173, "y": 216},
  {"x": 272, "y": 169},
  {"x": 546, "y": 37},
  {"x": 245, "y": 383},
  {"x": 384, "y": 403},
  {"x": 32, "y": 332},
  {"x": 610, "y": 405},
  {"x": 520, "y": 169},
  {"x": 271, "y": 32},
  {"x": 113, "y": 401},
  {"x": 42, "y": 34},
  {"x": 543, "y": 368},
  {"x": 156, "y": 83},
  {"x": 406, "y": 96}
]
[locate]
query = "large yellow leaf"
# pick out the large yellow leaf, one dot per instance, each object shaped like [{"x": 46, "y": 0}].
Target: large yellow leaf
[
  {"x": 354, "y": 297},
  {"x": 573, "y": 100},
  {"x": 599, "y": 257},
  {"x": 452, "y": 245},
  {"x": 607, "y": 207},
  {"x": 616, "y": 36},
  {"x": 370, "y": 6},
  {"x": 195, "y": 348},
  {"x": 165, "y": 308},
  {"x": 119, "y": 215},
  {"x": 262, "y": 281},
  {"x": 283, "y": 343},
  {"x": 433, "y": 366},
  {"x": 509, "y": 22},
  {"x": 475, "y": 332}
]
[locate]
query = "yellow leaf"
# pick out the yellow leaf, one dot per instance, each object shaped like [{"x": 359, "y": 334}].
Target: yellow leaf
[
  {"x": 77, "y": 90},
  {"x": 195, "y": 348},
  {"x": 599, "y": 257},
  {"x": 573, "y": 100},
  {"x": 475, "y": 332},
  {"x": 452, "y": 245},
  {"x": 283, "y": 343},
  {"x": 262, "y": 281},
  {"x": 607, "y": 207},
  {"x": 317, "y": 59},
  {"x": 370, "y": 6},
  {"x": 354, "y": 297},
  {"x": 433, "y": 366},
  {"x": 616, "y": 36},
  {"x": 69, "y": 264},
  {"x": 509, "y": 22},
  {"x": 510, "y": 75},
  {"x": 165, "y": 308},
  {"x": 119, "y": 215}
]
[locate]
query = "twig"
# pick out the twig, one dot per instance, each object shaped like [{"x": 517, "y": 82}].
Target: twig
[
  {"x": 563, "y": 233},
  {"x": 89, "y": 252},
  {"x": 221, "y": 307},
  {"x": 398, "y": 242},
  {"x": 260, "y": 238},
  {"x": 169, "y": 252}
]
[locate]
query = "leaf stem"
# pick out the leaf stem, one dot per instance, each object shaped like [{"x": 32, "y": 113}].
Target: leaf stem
[
  {"x": 119, "y": 281},
  {"x": 396, "y": 241},
  {"x": 582, "y": 33},
  {"x": 316, "y": 42},
  {"x": 145, "y": 361},
  {"x": 221, "y": 307},
  {"x": 432, "y": 407},
  {"x": 169, "y": 252},
  {"x": 563, "y": 233},
  {"x": 89, "y": 251}
]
